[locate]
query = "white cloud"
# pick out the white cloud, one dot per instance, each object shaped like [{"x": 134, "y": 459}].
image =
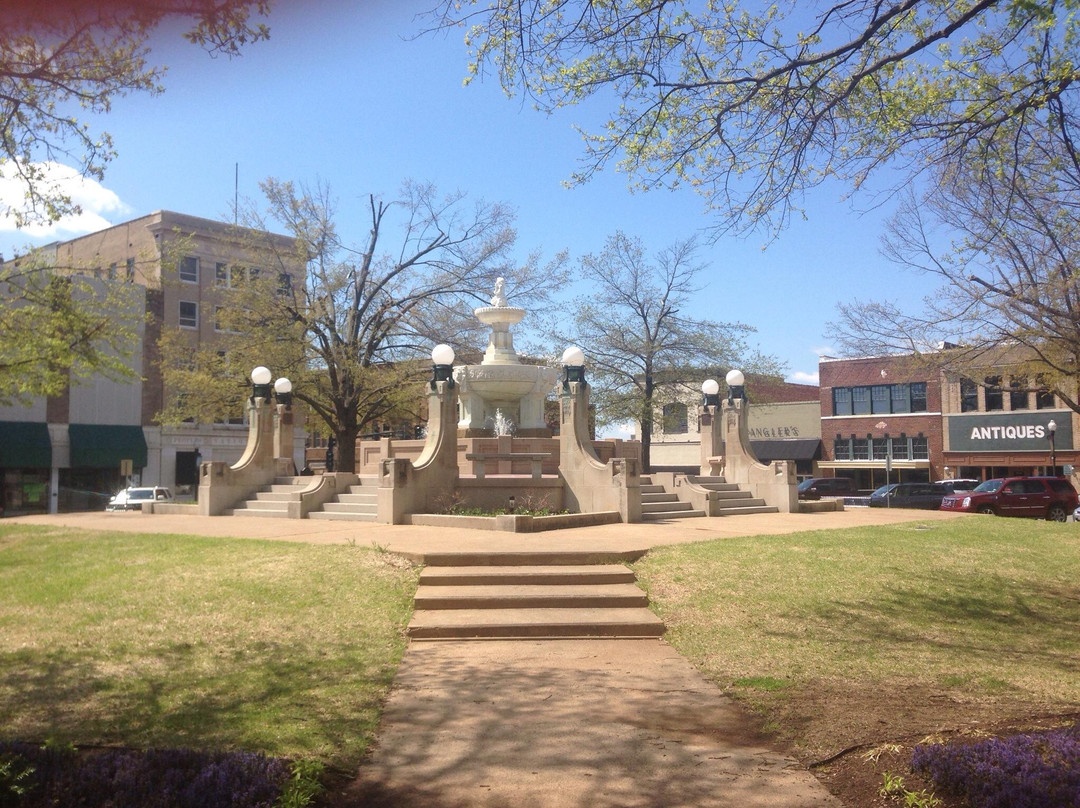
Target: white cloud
[
  {"x": 97, "y": 202},
  {"x": 824, "y": 350},
  {"x": 626, "y": 431},
  {"x": 801, "y": 377}
]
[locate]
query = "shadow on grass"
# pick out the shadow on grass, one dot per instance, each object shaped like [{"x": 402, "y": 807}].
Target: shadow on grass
[{"x": 280, "y": 701}]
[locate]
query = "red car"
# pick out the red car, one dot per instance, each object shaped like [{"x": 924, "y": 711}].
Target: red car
[{"x": 1051, "y": 498}]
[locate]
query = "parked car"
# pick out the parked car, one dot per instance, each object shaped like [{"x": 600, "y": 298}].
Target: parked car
[
  {"x": 910, "y": 495},
  {"x": 132, "y": 499},
  {"x": 1051, "y": 498},
  {"x": 960, "y": 484},
  {"x": 827, "y": 487}
]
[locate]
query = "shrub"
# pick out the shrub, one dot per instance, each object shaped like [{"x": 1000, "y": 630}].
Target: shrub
[
  {"x": 1032, "y": 770},
  {"x": 157, "y": 778}
]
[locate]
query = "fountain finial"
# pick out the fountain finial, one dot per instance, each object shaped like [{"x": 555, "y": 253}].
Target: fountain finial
[{"x": 499, "y": 297}]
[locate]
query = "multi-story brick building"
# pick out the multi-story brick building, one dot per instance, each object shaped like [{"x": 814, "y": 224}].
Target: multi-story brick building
[
  {"x": 66, "y": 452},
  {"x": 894, "y": 419}
]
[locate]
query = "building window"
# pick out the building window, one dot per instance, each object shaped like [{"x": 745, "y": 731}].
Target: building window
[
  {"x": 900, "y": 448},
  {"x": 189, "y": 269},
  {"x": 920, "y": 448},
  {"x": 860, "y": 448},
  {"x": 860, "y": 400},
  {"x": 995, "y": 399},
  {"x": 880, "y": 398},
  {"x": 284, "y": 283},
  {"x": 675, "y": 419},
  {"x": 917, "y": 391},
  {"x": 1044, "y": 397},
  {"x": 842, "y": 448},
  {"x": 189, "y": 314},
  {"x": 969, "y": 396},
  {"x": 880, "y": 447},
  {"x": 841, "y": 401},
  {"x": 901, "y": 398},
  {"x": 112, "y": 271},
  {"x": 130, "y": 269},
  {"x": 1018, "y": 394}
]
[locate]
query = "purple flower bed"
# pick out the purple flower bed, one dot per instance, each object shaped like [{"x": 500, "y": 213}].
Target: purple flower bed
[
  {"x": 157, "y": 778},
  {"x": 1036, "y": 770}
]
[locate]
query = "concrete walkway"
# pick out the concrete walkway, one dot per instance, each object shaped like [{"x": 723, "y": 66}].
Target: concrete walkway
[{"x": 551, "y": 723}]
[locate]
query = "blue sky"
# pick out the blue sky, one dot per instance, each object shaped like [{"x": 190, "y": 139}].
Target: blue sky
[{"x": 342, "y": 93}]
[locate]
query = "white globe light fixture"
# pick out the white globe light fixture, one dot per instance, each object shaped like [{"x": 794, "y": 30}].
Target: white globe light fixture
[
  {"x": 710, "y": 390},
  {"x": 260, "y": 382},
  {"x": 442, "y": 357},
  {"x": 283, "y": 391},
  {"x": 573, "y": 362},
  {"x": 736, "y": 384},
  {"x": 573, "y": 356}
]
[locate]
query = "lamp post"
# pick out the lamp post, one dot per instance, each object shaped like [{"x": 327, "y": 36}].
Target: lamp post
[
  {"x": 736, "y": 385},
  {"x": 260, "y": 382},
  {"x": 442, "y": 360},
  {"x": 1051, "y": 428},
  {"x": 573, "y": 362},
  {"x": 283, "y": 391},
  {"x": 710, "y": 392}
]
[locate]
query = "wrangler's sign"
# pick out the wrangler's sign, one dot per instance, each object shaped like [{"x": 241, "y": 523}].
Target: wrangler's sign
[{"x": 1009, "y": 432}]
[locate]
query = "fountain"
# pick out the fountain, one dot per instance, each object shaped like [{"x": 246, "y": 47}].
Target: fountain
[{"x": 500, "y": 385}]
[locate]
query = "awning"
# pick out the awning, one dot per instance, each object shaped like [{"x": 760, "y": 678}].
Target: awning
[
  {"x": 100, "y": 446},
  {"x": 795, "y": 449},
  {"x": 25, "y": 445}
]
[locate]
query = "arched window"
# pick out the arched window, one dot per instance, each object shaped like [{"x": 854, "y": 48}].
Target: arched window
[{"x": 675, "y": 419}]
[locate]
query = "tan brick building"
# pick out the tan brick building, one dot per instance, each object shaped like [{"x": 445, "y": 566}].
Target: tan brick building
[{"x": 176, "y": 265}]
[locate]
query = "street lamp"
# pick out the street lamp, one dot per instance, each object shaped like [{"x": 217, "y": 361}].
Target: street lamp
[
  {"x": 442, "y": 359},
  {"x": 710, "y": 390},
  {"x": 736, "y": 385},
  {"x": 1051, "y": 428},
  {"x": 283, "y": 391},
  {"x": 260, "y": 382},
  {"x": 573, "y": 362}
]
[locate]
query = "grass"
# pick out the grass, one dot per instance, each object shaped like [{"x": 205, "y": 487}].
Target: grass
[
  {"x": 168, "y": 640},
  {"x": 983, "y": 607}
]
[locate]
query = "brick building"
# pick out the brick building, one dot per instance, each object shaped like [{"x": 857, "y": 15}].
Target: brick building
[{"x": 71, "y": 451}]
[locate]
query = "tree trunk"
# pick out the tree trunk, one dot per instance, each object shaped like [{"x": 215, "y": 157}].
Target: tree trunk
[{"x": 647, "y": 425}]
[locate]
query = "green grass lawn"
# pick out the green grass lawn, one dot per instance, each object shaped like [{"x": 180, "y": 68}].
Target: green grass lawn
[
  {"x": 982, "y": 612},
  {"x": 169, "y": 640}
]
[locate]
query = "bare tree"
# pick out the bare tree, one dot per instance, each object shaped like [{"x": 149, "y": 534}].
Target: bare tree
[
  {"x": 354, "y": 329},
  {"x": 640, "y": 347},
  {"x": 1002, "y": 235}
]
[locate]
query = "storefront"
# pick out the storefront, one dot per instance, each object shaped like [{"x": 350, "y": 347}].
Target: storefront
[
  {"x": 25, "y": 462},
  {"x": 984, "y": 445}
]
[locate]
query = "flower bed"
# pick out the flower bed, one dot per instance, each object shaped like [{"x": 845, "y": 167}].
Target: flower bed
[
  {"x": 33, "y": 776},
  {"x": 1034, "y": 770}
]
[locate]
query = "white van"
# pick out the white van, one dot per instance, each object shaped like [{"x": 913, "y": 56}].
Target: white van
[{"x": 132, "y": 499}]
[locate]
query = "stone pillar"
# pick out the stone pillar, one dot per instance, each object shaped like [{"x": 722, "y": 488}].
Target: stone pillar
[
  {"x": 775, "y": 483},
  {"x": 283, "y": 431},
  {"x": 712, "y": 442}
]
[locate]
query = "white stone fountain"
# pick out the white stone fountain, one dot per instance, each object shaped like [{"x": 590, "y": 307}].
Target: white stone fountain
[{"x": 500, "y": 384}]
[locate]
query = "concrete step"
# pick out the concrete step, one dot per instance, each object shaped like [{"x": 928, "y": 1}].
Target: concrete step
[
  {"x": 283, "y": 488},
  {"x": 280, "y": 513},
  {"x": 346, "y": 516},
  {"x": 530, "y": 596},
  {"x": 659, "y": 497},
  {"x": 349, "y": 507},
  {"x": 360, "y": 499},
  {"x": 749, "y": 509},
  {"x": 651, "y": 489},
  {"x": 264, "y": 505},
  {"x": 528, "y": 558},
  {"x": 503, "y": 623},
  {"x": 659, "y": 516},
  {"x": 672, "y": 504},
  {"x": 272, "y": 496},
  {"x": 554, "y": 575}
]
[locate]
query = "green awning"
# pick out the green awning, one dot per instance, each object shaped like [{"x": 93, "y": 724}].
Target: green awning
[
  {"x": 100, "y": 446},
  {"x": 25, "y": 445}
]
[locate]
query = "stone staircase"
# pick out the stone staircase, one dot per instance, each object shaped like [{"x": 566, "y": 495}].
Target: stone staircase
[
  {"x": 732, "y": 499},
  {"x": 657, "y": 503},
  {"x": 358, "y": 503},
  {"x": 537, "y": 595},
  {"x": 272, "y": 500}
]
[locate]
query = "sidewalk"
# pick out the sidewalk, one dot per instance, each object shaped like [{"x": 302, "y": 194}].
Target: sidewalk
[{"x": 552, "y": 723}]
